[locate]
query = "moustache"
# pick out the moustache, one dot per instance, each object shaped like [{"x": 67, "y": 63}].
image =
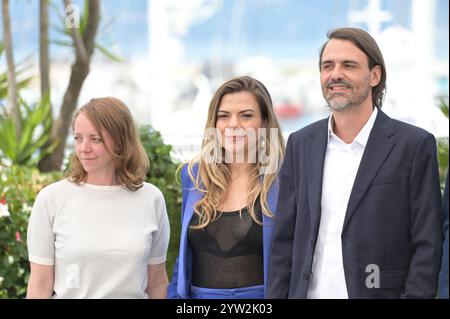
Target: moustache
[{"x": 330, "y": 83}]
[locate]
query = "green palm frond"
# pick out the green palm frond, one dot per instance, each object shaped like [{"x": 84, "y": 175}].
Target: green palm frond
[
  {"x": 21, "y": 67},
  {"x": 36, "y": 130},
  {"x": 66, "y": 33}
]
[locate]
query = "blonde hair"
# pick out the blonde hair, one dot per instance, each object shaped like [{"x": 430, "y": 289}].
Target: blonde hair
[
  {"x": 212, "y": 178},
  {"x": 131, "y": 161}
]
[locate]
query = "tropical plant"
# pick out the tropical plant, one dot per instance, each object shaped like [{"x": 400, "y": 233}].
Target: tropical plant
[
  {"x": 19, "y": 186},
  {"x": 443, "y": 148},
  {"x": 83, "y": 19},
  {"x": 20, "y": 67},
  {"x": 36, "y": 125}
]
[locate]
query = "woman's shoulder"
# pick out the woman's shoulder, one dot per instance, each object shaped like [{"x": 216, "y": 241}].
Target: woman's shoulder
[
  {"x": 148, "y": 189},
  {"x": 58, "y": 187},
  {"x": 153, "y": 196},
  {"x": 55, "y": 192}
]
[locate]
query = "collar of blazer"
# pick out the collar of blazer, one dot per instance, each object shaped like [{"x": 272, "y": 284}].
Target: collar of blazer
[{"x": 379, "y": 145}]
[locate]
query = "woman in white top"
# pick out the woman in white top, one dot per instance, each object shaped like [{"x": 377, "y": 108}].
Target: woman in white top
[{"x": 102, "y": 232}]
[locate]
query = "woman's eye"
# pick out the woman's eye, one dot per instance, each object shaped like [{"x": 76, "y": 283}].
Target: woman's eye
[{"x": 96, "y": 140}]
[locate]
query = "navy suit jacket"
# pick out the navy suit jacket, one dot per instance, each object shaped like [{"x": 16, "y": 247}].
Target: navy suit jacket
[
  {"x": 443, "y": 275},
  {"x": 180, "y": 284},
  {"x": 393, "y": 217}
]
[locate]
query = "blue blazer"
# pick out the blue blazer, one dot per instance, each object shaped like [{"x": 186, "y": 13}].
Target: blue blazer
[
  {"x": 180, "y": 284},
  {"x": 393, "y": 216}
]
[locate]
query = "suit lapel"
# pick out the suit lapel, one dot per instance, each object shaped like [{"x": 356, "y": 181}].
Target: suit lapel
[
  {"x": 378, "y": 147},
  {"x": 316, "y": 148}
]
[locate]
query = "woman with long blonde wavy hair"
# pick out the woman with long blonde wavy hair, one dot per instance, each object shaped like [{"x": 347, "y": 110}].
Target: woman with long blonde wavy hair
[{"x": 229, "y": 197}]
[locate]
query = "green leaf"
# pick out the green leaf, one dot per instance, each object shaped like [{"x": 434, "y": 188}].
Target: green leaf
[
  {"x": 84, "y": 17},
  {"x": 444, "y": 107},
  {"x": 62, "y": 43},
  {"x": 36, "y": 130},
  {"x": 109, "y": 54}
]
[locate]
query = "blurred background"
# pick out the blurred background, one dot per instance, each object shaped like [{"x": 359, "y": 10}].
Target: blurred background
[
  {"x": 165, "y": 59},
  {"x": 172, "y": 55}
]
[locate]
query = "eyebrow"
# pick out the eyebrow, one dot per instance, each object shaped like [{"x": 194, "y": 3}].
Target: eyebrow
[
  {"x": 344, "y": 61},
  {"x": 76, "y": 133},
  {"x": 351, "y": 62},
  {"x": 243, "y": 111}
]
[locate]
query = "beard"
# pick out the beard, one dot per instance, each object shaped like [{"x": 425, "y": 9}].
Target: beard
[{"x": 340, "y": 102}]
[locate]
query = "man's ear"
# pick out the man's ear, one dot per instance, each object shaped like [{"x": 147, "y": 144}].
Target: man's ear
[{"x": 375, "y": 75}]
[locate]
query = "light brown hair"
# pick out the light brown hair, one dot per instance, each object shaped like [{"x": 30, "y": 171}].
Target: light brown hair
[{"x": 131, "y": 161}]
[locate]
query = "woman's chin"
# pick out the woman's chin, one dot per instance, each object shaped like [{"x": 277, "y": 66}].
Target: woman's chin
[{"x": 88, "y": 168}]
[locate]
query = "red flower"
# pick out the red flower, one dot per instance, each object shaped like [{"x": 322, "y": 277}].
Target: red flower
[
  {"x": 3, "y": 207},
  {"x": 18, "y": 237}
]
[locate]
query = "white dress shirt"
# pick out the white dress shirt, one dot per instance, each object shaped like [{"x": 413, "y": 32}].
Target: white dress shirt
[{"x": 341, "y": 165}]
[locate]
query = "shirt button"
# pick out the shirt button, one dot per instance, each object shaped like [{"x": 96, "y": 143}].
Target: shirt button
[{"x": 306, "y": 276}]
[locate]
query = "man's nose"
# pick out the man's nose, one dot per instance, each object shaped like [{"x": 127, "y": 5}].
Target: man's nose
[{"x": 336, "y": 73}]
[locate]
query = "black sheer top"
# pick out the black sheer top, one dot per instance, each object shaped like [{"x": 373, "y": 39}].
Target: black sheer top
[{"x": 228, "y": 253}]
